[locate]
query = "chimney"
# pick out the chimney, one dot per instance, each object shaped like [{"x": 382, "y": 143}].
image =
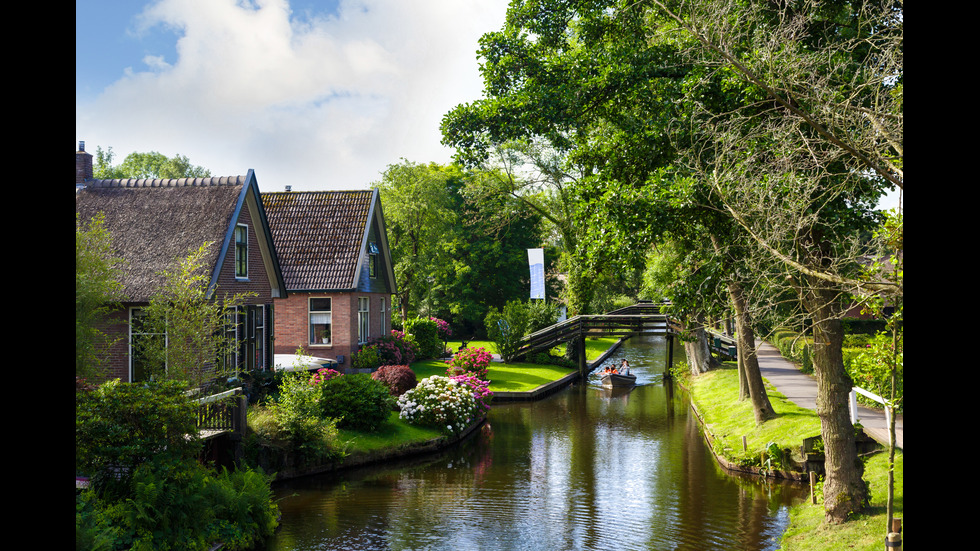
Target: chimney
[{"x": 83, "y": 165}]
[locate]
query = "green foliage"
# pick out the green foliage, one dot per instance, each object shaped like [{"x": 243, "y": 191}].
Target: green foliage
[
  {"x": 366, "y": 358},
  {"x": 871, "y": 368},
  {"x": 424, "y": 334},
  {"x": 145, "y": 165},
  {"x": 185, "y": 324},
  {"x": 506, "y": 328},
  {"x": 122, "y": 425},
  {"x": 357, "y": 401},
  {"x": 179, "y": 504},
  {"x": 298, "y": 420},
  {"x": 97, "y": 289}
]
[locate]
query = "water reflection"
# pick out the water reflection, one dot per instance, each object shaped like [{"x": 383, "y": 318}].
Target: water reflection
[{"x": 587, "y": 468}]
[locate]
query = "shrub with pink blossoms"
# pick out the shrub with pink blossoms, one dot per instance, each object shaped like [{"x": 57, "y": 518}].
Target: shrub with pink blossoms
[
  {"x": 473, "y": 361},
  {"x": 481, "y": 391}
]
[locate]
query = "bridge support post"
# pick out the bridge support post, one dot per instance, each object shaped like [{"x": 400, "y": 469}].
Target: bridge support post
[{"x": 583, "y": 362}]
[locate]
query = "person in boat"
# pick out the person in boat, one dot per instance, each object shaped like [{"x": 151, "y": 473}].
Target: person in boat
[{"x": 624, "y": 367}]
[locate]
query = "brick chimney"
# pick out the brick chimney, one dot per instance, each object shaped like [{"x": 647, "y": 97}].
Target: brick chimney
[{"x": 83, "y": 165}]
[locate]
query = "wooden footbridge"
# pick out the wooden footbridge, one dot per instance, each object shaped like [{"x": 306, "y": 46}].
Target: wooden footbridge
[{"x": 644, "y": 318}]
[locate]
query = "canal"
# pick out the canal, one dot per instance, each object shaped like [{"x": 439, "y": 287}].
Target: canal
[{"x": 584, "y": 469}]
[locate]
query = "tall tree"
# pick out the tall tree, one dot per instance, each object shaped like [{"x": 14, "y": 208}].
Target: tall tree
[
  {"x": 418, "y": 211},
  {"x": 185, "y": 328},
  {"x": 97, "y": 289},
  {"x": 784, "y": 116},
  {"x": 151, "y": 164}
]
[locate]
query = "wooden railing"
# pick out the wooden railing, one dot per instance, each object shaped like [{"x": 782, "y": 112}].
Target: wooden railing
[
  {"x": 221, "y": 413},
  {"x": 632, "y": 320}
]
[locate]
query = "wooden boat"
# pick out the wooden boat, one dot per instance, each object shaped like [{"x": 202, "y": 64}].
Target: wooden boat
[{"x": 615, "y": 380}]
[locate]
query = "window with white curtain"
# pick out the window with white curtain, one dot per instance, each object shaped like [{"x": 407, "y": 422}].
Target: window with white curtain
[{"x": 321, "y": 321}]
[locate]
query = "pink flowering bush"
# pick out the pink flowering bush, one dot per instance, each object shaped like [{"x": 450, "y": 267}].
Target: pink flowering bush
[
  {"x": 394, "y": 349},
  {"x": 482, "y": 394},
  {"x": 324, "y": 375},
  {"x": 473, "y": 361},
  {"x": 442, "y": 329}
]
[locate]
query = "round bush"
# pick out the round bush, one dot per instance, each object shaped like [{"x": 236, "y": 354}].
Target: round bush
[
  {"x": 357, "y": 401},
  {"x": 398, "y": 378},
  {"x": 440, "y": 402},
  {"x": 474, "y": 361}
]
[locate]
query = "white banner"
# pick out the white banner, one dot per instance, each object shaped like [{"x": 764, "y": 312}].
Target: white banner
[{"x": 535, "y": 259}]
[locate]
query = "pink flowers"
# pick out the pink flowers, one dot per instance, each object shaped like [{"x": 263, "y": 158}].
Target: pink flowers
[
  {"x": 442, "y": 329},
  {"x": 481, "y": 393},
  {"x": 324, "y": 375},
  {"x": 470, "y": 361}
]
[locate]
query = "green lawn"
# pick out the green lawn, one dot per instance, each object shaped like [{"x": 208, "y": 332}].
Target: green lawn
[
  {"x": 715, "y": 394},
  {"x": 392, "y": 435},
  {"x": 518, "y": 376}
]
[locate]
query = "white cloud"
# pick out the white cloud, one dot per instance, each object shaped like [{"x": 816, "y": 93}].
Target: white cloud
[{"x": 323, "y": 102}]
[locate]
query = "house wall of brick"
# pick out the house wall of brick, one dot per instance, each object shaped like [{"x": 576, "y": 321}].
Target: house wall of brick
[{"x": 292, "y": 323}]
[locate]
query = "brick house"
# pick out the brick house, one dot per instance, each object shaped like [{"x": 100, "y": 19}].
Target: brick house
[
  {"x": 333, "y": 250},
  {"x": 154, "y": 222}
]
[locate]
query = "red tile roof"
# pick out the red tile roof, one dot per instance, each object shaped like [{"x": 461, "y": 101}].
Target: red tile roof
[{"x": 318, "y": 236}]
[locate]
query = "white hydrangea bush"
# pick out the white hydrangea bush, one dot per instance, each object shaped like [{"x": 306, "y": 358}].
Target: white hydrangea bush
[{"x": 440, "y": 402}]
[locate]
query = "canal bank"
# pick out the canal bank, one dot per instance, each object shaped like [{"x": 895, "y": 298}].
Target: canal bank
[
  {"x": 580, "y": 469},
  {"x": 439, "y": 444}
]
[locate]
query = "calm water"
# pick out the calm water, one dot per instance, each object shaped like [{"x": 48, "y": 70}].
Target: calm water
[{"x": 584, "y": 469}]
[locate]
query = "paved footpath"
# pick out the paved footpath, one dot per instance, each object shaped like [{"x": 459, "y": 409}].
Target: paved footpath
[{"x": 801, "y": 389}]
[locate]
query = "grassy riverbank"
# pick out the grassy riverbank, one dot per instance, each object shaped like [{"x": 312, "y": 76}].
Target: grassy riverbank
[
  {"x": 514, "y": 377},
  {"x": 715, "y": 395}
]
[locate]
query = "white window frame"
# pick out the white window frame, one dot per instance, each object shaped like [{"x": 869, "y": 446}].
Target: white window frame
[
  {"x": 363, "y": 319},
  {"x": 133, "y": 313},
  {"x": 319, "y": 317}
]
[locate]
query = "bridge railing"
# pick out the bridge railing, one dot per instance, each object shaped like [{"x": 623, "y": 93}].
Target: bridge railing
[
  {"x": 223, "y": 412},
  {"x": 632, "y": 320}
]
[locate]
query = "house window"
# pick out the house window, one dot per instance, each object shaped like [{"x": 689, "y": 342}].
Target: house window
[
  {"x": 363, "y": 319},
  {"x": 231, "y": 340},
  {"x": 259, "y": 338},
  {"x": 372, "y": 260},
  {"x": 139, "y": 336},
  {"x": 382, "y": 316},
  {"x": 321, "y": 321},
  {"x": 241, "y": 251}
]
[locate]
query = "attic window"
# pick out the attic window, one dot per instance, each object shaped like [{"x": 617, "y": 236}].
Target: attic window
[
  {"x": 241, "y": 251},
  {"x": 372, "y": 260}
]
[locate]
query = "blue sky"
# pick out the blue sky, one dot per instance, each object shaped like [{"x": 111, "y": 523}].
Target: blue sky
[
  {"x": 312, "y": 94},
  {"x": 316, "y": 94}
]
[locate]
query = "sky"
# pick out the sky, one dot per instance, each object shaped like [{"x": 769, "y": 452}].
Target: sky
[{"x": 315, "y": 94}]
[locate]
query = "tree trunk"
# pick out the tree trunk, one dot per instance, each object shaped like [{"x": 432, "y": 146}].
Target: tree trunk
[
  {"x": 761, "y": 406},
  {"x": 844, "y": 490},
  {"x": 698, "y": 352}
]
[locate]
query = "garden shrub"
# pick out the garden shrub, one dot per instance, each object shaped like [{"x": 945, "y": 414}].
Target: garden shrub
[
  {"x": 394, "y": 349},
  {"x": 480, "y": 389},
  {"x": 425, "y": 335},
  {"x": 179, "y": 504},
  {"x": 125, "y": 424},
  {"x": 507, "y": 327},
  {"x": 310, "y": 434},
  {"x": 366, "y": 358},
  {"x": 357, "y": 401},
  {"x": 473, "y": 361},
  {"x": 397, "y": 378},
  {"x": 440, "y": 402}
]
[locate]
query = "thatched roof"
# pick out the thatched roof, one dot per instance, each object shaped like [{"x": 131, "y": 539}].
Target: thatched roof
[
  {"x": 318, "y": 236},
  {"x": 155, "y": 222}
]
